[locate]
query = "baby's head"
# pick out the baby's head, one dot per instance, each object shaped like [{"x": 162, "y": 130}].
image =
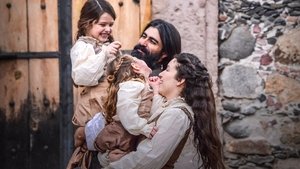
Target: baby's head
[
  {"x": 125, "y": 68},
  {"x": 96, "y": 20}
]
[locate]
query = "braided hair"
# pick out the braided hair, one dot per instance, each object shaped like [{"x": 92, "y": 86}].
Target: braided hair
[
  {"x": 119, "y": 70},
  {"x": 199, "y": 95}
]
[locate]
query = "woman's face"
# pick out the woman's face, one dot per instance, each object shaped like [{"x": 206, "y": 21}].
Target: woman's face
[
  {"x": 168, "y": 86},
  {"x": 102, "y": 29}
]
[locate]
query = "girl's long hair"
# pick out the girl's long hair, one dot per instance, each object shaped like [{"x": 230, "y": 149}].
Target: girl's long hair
[
  {"x": 118, "y": 71},
  {"x": 199, "y": 95}
]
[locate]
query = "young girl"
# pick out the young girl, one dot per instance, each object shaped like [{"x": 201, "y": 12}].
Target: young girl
[
  {"x": 90, "y": 54},
  {"x": 127, "y": 107}
]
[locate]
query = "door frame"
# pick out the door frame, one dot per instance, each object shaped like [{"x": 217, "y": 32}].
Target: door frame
[{"x": 65, "y": 81}]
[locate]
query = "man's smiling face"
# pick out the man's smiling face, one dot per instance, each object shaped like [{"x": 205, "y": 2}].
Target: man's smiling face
[{"x": 149, "y": 47}]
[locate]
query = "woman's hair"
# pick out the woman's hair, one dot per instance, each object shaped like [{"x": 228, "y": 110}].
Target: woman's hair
[
  {"x": 90, "y": 12},
  {"x": 170, "y": 37},
  {"x": 198, "y": 94},
  {"x": 118, "y": 71}
]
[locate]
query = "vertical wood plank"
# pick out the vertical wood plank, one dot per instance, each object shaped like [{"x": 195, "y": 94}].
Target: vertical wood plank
[
  {"x": 13, "y": 31},
  {"x": 76, "y": 7},
  {"x": 14, "y": 114},
  {"x": 44, "y": 118},
  {"x": 43, "y": 25},
  {"x": 145, "y": 13},
  {"x": 127, "y": 25},
  {"x": 13, "y": 87},
  {"x": 44, "y": 83}
]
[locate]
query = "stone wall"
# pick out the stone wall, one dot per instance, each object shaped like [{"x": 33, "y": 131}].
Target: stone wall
[
  {"x": 197, "y": 23},
  {"x": 259, "y": 75},
  {"x": 253, "y": 54}
]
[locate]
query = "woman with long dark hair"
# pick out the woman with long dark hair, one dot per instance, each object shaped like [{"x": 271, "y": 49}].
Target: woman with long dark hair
[{"x": 184, "y": 111}]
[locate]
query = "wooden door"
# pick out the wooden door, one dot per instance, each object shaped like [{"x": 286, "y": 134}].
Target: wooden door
[
  {"x": 36, "y": 90},
  {"x": 29, "y": 88}
]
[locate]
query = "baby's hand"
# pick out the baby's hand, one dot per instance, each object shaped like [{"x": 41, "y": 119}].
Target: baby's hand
[
  {"x": 153, "y": 132},
  {"x": 154, "y": 79},
  {"x": 114, "y": 47},
  {"x": 154, "y": 83}
]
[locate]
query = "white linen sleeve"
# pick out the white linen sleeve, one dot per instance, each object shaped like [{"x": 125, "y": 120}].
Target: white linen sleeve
[
  {"x": 129, "y": 99},
  {"x": 87, "y": 67},
  {"x": 157, "y": 101},
  {"x": 154, "y": 153}
]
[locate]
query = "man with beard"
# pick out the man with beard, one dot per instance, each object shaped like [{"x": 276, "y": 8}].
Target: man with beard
[{"x": 158, "y": 44}]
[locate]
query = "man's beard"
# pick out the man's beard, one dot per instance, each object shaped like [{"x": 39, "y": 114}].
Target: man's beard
[{"x": 150, "y": 59}]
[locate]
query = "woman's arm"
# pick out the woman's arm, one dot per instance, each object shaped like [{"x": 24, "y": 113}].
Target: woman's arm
[
  {"x": 87, "y": 67},
  {"x": 154, "y": 153}
]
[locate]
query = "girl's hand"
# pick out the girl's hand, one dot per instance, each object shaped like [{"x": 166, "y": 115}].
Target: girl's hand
[
  {"x": 154, "y": 83},
  {"x": 114, "y": 47}
]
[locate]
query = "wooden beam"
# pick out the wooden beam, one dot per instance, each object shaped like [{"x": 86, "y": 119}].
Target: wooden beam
[
  {"x": 65, "y": 90},
  {"x": 29, "y": 55}
]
